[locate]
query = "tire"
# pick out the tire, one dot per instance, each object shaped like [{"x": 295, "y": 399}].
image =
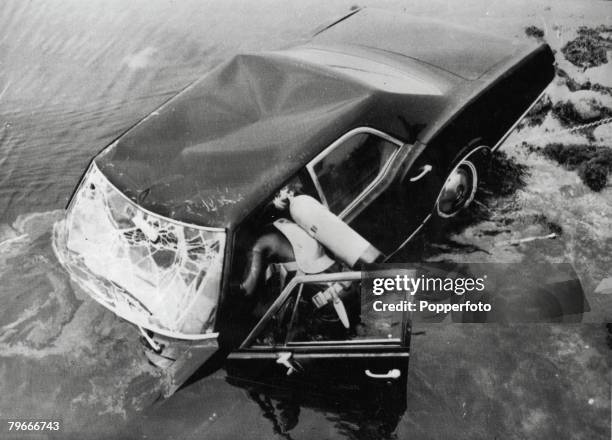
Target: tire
[{"x": 459, "y": 187}]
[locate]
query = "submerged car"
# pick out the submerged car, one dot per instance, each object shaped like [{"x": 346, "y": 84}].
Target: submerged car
[{"x": 235, "y": 217}]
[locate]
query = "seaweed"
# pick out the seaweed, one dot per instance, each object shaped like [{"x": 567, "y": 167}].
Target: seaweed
[
  {"x": 535, "y": 32},
  {"x": 554, "y": 227},
  {"x": 570, "y": 116},
  {"x": 593, "y": 163},
  {"x": 502, "y": 176},
  {"x": 570, "y": 82},
  {"x": 601, "y": 89},
  {"x": 551, "y": 226},
  {"x": 589, "y": 48},
  {"x": 538, "y": 112},
  {"x": 575, "y": 86},
  {"x": 594, "y": 175}
]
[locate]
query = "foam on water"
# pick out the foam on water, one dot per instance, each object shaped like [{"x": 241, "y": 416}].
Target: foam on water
[{"x": 56, "y": 344}]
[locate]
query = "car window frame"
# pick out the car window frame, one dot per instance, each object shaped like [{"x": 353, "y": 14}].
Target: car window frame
[
  {"x": 249, "y": 343},
  {"x": 380, "y": 177}
]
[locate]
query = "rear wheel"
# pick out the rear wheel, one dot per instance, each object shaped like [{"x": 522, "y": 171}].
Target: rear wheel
[{"x": 460, "y": 185}]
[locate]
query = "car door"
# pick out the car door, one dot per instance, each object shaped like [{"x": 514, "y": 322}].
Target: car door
[
  {"x": 304, "y": 349},
  {"x": 356, "y": 178}
]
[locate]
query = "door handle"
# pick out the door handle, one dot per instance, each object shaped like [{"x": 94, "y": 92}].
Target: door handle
[
  {"x": 283, "y": 359},
  {"x": 424, "y": 170},
  {"x": 391, "y": 374}
]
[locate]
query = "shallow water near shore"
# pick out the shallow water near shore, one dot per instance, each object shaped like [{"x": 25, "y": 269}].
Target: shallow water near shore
[{"x": 74, "y": 75}]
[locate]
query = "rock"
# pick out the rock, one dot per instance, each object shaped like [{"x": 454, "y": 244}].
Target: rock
[
  {"x": 583, "y": 106},
  {"x": 604, "y": 287},
  {"x": 603, "y": 133},
  {"x": 588, "y": 109}
]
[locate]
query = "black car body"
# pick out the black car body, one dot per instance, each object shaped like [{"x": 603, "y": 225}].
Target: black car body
[{"x": 371, "y": 118}]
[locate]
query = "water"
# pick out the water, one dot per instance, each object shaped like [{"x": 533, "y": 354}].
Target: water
[{"x": 73, "y": 76}]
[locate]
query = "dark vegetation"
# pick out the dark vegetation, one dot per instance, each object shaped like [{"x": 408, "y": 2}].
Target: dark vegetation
[
  {"x": 574, "y": 85},
  {"x": 593, "y": 163},
  {"x": 566, "y": 112},
  {"x": 569, "y": 116},
  {"x": 501, "y": 177},
  {"x": 538, "y": 112},
  {"x": 535, "y": 32},
  {"x": 589, "y": 48},
  {"x": 541, "y": 219},
  {"x": 504, "y": 177}
]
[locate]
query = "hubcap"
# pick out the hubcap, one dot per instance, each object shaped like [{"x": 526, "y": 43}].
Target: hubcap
[{"x": 458, "y": 190}]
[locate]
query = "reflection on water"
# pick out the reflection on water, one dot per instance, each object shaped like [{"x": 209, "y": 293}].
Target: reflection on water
[{"x": 353, "y": 419}]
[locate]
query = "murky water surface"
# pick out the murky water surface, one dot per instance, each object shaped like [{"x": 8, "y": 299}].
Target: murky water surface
[{"x": 74, "y": 75}]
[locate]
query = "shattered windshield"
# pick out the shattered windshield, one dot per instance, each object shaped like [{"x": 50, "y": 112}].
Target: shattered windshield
[{"x": 156, "y": 273}]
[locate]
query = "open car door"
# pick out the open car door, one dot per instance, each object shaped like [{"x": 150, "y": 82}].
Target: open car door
[{"x": 300, "y": 348}]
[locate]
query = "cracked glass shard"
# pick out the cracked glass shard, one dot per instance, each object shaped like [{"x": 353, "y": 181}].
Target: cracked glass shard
[{"x": 157, "y": 273}]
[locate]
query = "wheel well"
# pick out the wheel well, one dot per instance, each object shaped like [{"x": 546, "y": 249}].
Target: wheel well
[{"x": 471, "y": 151}]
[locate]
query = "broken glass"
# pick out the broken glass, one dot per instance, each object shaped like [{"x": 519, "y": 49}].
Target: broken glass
[{"x": 157, "y": 273}]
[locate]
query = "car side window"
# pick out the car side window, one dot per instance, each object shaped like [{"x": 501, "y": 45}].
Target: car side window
[
  {"x": 298, "y": 321},
  {"x": 347, "y": 171}
]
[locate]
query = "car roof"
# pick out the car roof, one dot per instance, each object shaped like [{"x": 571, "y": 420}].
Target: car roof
[
  {"x": 461, "y": 51},
  {"x": 217, "y": 150}
]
